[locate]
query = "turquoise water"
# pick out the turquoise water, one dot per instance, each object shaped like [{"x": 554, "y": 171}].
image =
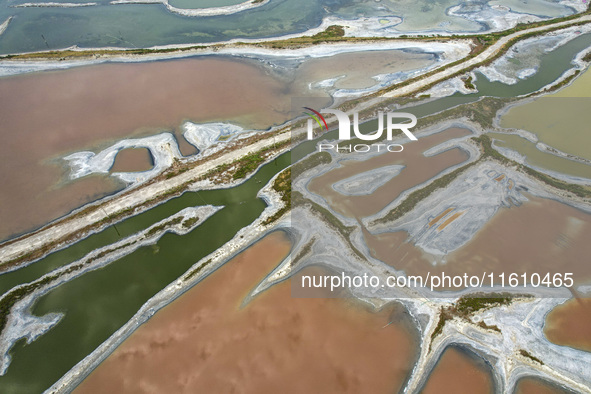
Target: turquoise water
[
  {"x": 203, "y": 3},
  {"x": 146, "y": 25}
]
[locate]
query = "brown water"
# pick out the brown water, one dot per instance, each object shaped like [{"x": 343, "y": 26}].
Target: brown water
[
  {"x": 45, "y": 115},
  {"x": 569, "y": 324},
  {"x": 536, "y": 386},
  {"x": 358, "y": 68},
  {"x": 132, "y": 159},
  {"x": 204, "y": 341},
  {"x": 458, "y": 372},
  {"x": 541, "y": 236},
  {"x": 418, "y": 169}
]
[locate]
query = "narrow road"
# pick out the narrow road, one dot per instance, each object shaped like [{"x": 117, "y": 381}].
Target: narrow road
[
  {"x": 67, "y": 227},
  {"x": 483, "y": 56}
]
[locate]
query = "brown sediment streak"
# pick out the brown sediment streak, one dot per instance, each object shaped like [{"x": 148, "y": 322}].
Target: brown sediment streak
[
  {"x": 569, "y": 324},
  {"x": 46, "y": 115},
  {"x": 451, "y": 219},
  {"x": 540, "y": 236},
  {"x": 441, "y": 215},
  {"x": 500, "y": 178},
  {"x": 418, "y": 169},
  {"x": 133, "y": 159},
  {"x": 204, "y": 340},
  {"x": 535, "y": 386},
  {"x": 458, "y": 373}
]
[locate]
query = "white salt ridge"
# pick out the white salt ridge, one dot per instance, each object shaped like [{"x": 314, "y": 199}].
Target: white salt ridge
[
  {"x": 198, "y": 12},
  {"x": 325, "y": 83},
  {"x": 203, "y": 136},
  {"x": 449, "y": 87},
  {"x": 244, "y": 238},
  {"x": 476, "y": 198},
  {"x": 367, "y": 182},
  {"x": 53, "y": 4},
  {"x": 528, "y": 52},
  {"x": 22, "y": 324},
  {"x": 496, "y": 18},
  {"x": 163, "y": 147},
  {"x": 383, "y": 81},
  {"x": 4, "y": 25},
  {"x": 448, "y": 52},
  {"x": 522, "y": 159}
]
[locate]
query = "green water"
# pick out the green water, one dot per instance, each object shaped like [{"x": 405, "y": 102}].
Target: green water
[
  {"x": 99, "y": 302},
  {"x": 561, "y": 122},
  {"x": 541, "y": 159},
  {"x": 552, "y": 66}
]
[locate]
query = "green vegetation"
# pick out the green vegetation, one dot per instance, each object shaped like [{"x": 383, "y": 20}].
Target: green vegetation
[
  {"x": 557, "y": 86},
  {"x": 190, "y": 222},
  {"x": 468, "y": 83},
  {"x": 175, "y": 169},
  {"x": 14, "y": 295},
  {"x": 485, "y": 326},
  {"x": 220, "y": 174},
  {"x": 577, "y": 190},
  {"x": 485, "y": 143},
  {"x": 310, "y": 162},
  {"x": 418, "y": 195},
  {"x": 196, "y": 270},
  {"x": 482, "y": 112},
  {"x": 303, "y": 251},
  {"x": 333, "y": 33},
  {"x": 247, "y": 165},
  {"x": 282, "y": 185},
  {"x": 489, "y": 152},
  {"x": 444, "y": 316},
  {"x": 328, "y": 218},
  {"x": 70, "y": 54},
  {"x": 467, "y": 306},
  {"x": 484, "y": 41},
  {"x": 470, "y": 304},
  {"x": 164, "y": 225}
]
